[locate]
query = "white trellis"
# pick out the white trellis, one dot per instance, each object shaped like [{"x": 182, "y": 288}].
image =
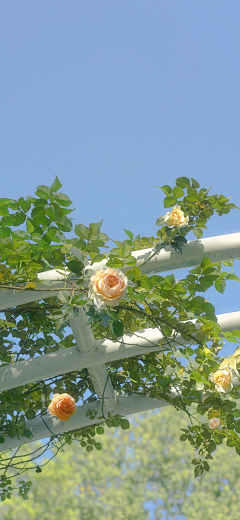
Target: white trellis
[{"x": 94, "y": 354}]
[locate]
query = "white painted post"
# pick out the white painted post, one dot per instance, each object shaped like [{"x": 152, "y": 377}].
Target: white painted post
[{"x": 99, "y": 375}]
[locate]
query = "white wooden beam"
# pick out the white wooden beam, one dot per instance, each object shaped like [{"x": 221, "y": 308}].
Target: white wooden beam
[
  {"x": 218, "y": 249},
  {"x": 105, "y": 351},
  {"x": 124, "y": 405}
]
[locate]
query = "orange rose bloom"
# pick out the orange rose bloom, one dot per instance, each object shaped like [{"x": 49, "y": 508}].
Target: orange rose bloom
[
  {"x": 107, "y": 287},
  {"x": 63, "y": 406}
]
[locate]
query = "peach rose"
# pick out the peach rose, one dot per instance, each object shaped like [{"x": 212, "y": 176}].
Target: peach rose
[
  {"x": 176, "y": 218},
  {"x": 215, "y": 423},
  {"x": 107, "y": 286},
  {"x": 222, "y": 379},
  {"x": 63, "y": 406}
]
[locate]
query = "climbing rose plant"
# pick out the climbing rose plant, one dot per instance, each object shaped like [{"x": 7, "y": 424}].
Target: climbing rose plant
[{"x": 37, "y": 235}]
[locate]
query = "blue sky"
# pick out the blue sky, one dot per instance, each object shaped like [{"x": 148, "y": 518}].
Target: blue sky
[{"x": 116, "y": 97}]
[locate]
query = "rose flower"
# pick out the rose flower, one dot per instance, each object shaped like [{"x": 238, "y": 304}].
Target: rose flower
[
  {"x": 107, "y": 286},
  {"x": 222, "y": 379},
  {"x": 63, "y": 406},
  {"x": 176, "y": 218},
  {"x": 215, "y": 423}
]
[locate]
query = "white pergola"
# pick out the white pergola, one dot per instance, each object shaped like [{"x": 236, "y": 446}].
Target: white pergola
[{"x": 94, "y": 354}]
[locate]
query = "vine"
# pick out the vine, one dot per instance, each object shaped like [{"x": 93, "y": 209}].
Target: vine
[{"x": 190, "y": 377}]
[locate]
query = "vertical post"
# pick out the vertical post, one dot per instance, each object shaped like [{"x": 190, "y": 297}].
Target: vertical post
[{"x": 99, "y": 375}]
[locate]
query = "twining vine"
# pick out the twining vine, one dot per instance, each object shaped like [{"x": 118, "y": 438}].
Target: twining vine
[{"x": 37, "y": 235}]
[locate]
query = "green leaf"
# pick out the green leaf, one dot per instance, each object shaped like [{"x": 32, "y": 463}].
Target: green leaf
[
  {"x": 208, "y": 308},
  {"x": 198, "y": 470},
  {"x": 199, "y": 386},
  {"x": 60, "y": 325},
  {"x": 75, "y": 266},
  {"x": 64, "y": 297},
  {"x": 198, "y": 232},
  {"x": 178, "y": 192},
  {"x": 42, "y": 191},
  {"x": 181, "y": 240},
  {"x": 4, "y": 211},
  {"x": 183, "y": 437},
  {"x": 56, "y": 185},
  {"x": 232, "y": 276},
  {"x": 4, "y": 201},
  {"x": 62, "y": 199},
  {"x": 220, "y": 285},
  {"x": 231, "y": 443},
  {"x": 38, "y": 211},
  {"x": 94, "y": 228},
  {"x": 236, "y": 333},
  {"x": 169, "y": 371},
  {"x": 89, "y": 448},
  {"x": 30, "y": 414},
  {"x": 193, "y": 196},
  {"x": 166, "y": 189},
  {"x": 24, "y": 204},
  {"x": 229, "y": 263},
  {"x": 160, "y": 221},
  {"x": 237, "y": 448},
  {"x": 233, "y": 206},
  {"x": 27, "y": 433},
  {"x": 12, "y": 433},
  {"x": 79, "y": 255},
  {"x": 65, "y": 224},
  {"x": 20, "y": 234},
  {"x": 30, "y": 228},
  {"x": 196, "y": 376},
  {"x": 195, "y": 462},
  {"x": 117, "y": 328},
  {"x": 81, "y": 231},
  {"x": 211, "y": 447},
  {"x": 125, "y": 424},
  {"x": 182, "y": 182},
  {"x": 53, "y": 212},
  {"x": 169, "y": 202},
  {"x": 19, "y": 218},
  {"x": 40, "y": 202},
  {"x": 100, "y": 430},
  {"x": 195, "y": 184},
  {"x": 129, "y": 234},
  {"x": 36, "y": 237}
]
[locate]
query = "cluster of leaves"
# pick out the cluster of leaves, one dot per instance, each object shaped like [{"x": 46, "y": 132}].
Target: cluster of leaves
[{"x": 191, "y": 336}]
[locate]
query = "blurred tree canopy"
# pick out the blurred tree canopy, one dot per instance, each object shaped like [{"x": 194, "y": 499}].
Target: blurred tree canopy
[{"x": 145, "y": 469}]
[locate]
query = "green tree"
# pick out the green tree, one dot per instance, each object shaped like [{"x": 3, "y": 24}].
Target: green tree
[{"x": 147, "y": 463}]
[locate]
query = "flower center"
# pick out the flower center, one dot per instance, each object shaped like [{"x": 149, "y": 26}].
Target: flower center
[
  {"x": 223, "y": 379},
  {"x": 176, "y": 217},
  {"x": 112, "y": 281}
]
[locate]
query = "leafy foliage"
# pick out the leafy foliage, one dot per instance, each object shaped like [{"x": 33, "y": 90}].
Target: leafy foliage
[
  {"x": 32, "y": 232},
  {"x": 145, "y": 469}
]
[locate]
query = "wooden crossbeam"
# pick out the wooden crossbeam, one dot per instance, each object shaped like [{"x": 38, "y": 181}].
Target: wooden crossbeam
[
  {"x": 218, "y": 249},
  {"x": 124, "y": 405},
  {"x": 103, "y": 352}
]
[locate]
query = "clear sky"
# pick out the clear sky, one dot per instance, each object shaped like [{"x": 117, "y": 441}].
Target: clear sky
[{"x": 117, "y": 96}]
